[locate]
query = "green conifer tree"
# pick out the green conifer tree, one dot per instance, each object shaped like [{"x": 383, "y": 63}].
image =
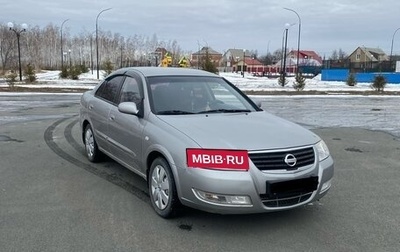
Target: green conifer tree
[
  {"x": 208, "y": 65},
  {"x": 379, "y": 83},
  {"x": 351, "y": 80},
  {"x": 108, "y": 67},
  {"x": 29, "y": 73},
  {"x": 300, "y": 82}
]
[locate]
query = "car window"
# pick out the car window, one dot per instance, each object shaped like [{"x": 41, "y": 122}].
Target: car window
[
  {"x": 130, "y": 91},
  {"x": 223, "y": 95},
  {"x": 195, "y": 94},
  {"x": 110, "y": 88}
]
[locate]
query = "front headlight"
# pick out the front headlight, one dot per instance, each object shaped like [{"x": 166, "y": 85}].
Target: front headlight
[{"x": 322, "y": 149}]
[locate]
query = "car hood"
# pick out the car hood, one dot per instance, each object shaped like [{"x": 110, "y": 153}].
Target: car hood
[{"x": 248, "y": 131}]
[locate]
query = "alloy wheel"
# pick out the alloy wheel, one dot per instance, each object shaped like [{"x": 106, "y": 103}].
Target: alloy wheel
[{"x": 160, "y": 187}]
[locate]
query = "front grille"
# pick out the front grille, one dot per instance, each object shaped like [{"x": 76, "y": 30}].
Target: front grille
[
  {"x": 276, "y": 160},
  {"x": 284, "y": 202},
  {"x": 289, "y": 193}
]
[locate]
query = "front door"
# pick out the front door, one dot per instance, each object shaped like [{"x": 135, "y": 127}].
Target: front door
[{"x": 125, "y": 130}]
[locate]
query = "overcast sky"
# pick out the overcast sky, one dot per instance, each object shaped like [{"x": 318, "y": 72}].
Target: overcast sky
[{"x": 224, "y": 24}]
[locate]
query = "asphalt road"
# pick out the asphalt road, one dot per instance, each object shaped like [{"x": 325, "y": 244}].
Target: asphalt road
[{"x": 53, "y": 199}]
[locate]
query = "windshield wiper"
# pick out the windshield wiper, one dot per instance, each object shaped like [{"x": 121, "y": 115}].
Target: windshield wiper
[
  {"x": 224, "y": 111},
  {"x": 174, "y": 112}
]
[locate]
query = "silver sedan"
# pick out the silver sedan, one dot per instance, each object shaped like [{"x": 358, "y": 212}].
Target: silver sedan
[{"x": 199, "y": 141}]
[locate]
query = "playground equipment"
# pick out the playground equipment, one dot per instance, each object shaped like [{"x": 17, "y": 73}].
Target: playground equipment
[{"x": 167, "y": 61}]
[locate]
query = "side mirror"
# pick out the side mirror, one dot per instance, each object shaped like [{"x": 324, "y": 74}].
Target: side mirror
[
  {"x": 128, "y": 108},
  {"x": 258, "y": 101}
]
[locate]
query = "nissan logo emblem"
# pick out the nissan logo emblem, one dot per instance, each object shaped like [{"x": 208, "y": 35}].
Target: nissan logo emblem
[{"x": 290, "y": 160}]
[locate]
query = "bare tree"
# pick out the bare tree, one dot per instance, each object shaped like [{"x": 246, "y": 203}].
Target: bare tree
[
  {"x": 338, "y": 55},
  {"x": 341, "y": 54},
  {"x": 334, "y": 55},
  {"x": 6, "y": 47},
  {"x": 41, "y": 47}
]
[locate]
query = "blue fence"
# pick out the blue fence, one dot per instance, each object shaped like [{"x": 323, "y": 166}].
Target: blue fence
[{"x": 343, "y": 74}]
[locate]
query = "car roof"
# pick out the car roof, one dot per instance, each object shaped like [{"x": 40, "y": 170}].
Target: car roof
[{"x": 165, "y": 71}]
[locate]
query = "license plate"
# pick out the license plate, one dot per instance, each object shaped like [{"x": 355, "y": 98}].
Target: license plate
[{"x": 297, "y": 186}]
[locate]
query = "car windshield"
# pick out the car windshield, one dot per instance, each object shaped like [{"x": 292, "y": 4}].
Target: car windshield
[{"x": 182, "y": 95}]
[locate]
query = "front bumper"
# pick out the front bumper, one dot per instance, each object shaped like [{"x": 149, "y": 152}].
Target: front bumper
[{"x": 240, "y": 192}]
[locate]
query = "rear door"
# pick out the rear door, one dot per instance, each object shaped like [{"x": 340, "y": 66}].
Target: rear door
[{"x": 99, "y": 108}]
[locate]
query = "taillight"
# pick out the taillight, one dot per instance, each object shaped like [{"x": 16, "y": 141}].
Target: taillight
[{"x": 218, "y": 159}]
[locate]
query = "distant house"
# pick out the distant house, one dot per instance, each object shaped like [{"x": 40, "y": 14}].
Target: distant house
[
  {"x": 250, "y": 65},
  {"x": 366, "y": 54},
  {"x": 307, "y": 58},
  {"x": 231, "y": 58},
  {"x": 237, "y": 60},
  {"x": 197, "y": 58},
  {"x": 367, "y": 58}
]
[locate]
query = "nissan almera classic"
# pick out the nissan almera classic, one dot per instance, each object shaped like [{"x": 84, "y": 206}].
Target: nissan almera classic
[{"x": 199, "y": 141}]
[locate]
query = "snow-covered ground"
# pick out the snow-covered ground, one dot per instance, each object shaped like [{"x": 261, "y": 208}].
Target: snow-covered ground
[
  {"x": 249, "y": 82},
  {"x": 380, "y": 112},
  {"x": 50, "y": 79}
]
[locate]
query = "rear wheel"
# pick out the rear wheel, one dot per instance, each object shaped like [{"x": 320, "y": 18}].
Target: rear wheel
[
  {"x": 92, "y": 151},
  {"x": 162, "y": 189}
]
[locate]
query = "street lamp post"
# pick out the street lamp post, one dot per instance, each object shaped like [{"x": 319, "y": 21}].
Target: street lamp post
[
  {"x": 391, "y": 47},
  {"x": 282, "y": 49},
  {"x": 244, "y": 57},
  {"x": 365, "y": 58},
  {"x": 97, "y": 41},
  {"x": 298, "y": 39},
  {"x": 70, "y": 61},
  {"x": 198, "y": 55},
  {"x": 91, "y": 51},
  {"x": 18, "y": 33},
  {"x": 61, "y": 33},
  {"x": 252, "y": 65},
  {"x": 284, "y": 54},
  {"x": 121, "y": 56}
]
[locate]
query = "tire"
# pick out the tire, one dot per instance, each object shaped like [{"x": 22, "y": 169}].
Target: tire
[
  {"x": 162, "y": 189},
  {"x": 92, "y": 150}
]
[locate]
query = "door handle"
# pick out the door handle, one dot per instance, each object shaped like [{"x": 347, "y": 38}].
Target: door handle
[
  {"x": 112, "y": 118},
  {"x": 90, "y": 106}
]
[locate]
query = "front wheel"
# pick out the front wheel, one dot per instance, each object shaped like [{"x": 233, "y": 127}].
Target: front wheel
[
  {"x": 92, "y": 150},
  {"x": 163, "y": 195}
]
